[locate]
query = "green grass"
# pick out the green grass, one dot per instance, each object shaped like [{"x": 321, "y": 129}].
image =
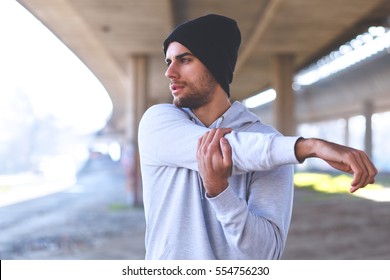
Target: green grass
[
  {"x": 327, "y": 183},
  {"x": 118, "y": 207}
]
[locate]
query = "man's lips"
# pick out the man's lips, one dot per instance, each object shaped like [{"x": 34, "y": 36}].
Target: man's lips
[{"x": 175, "y": 87}]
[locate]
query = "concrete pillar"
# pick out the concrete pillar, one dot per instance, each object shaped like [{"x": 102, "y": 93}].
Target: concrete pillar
[
  {"x": 346, "y": 132},
  {"x": 137, "y": 102},
  {"x": 140, "y": 89},
  {"x": 284, "y": 104},
  {"x": 140, "y": 104},
  {"x": 368, "y": 111}
]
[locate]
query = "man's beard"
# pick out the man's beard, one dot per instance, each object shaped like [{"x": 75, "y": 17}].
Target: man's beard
[{"x": 200, "y": 92}]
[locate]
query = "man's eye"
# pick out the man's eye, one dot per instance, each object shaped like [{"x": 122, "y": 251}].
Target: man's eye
[{"x": 184, "y": 60}]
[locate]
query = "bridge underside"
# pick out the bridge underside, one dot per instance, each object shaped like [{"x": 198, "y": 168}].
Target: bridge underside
[{"x": 120, "y": 41}]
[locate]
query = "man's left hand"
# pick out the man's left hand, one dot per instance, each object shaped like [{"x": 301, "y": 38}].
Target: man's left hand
[{"x": 214, "y": 156}]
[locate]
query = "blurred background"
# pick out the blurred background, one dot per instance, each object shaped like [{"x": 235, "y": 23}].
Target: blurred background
[{"x": 77, "y": 75}]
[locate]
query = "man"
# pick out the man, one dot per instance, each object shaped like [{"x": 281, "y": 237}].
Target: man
[{"x": 218, "y": 183}]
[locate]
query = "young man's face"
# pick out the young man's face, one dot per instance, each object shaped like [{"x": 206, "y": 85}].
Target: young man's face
[{"x": 191, "y": 83}]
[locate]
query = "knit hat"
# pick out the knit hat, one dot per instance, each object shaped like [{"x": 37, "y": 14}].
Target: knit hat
[{"x": 214, "y": 40}]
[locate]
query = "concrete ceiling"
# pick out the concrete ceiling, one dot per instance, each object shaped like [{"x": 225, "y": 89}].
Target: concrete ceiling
[{"x": 106, "y": 34}]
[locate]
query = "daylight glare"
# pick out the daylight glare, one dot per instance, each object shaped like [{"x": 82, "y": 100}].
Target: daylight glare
[
  {"x": 51, "y": 105},
  {"x": 54, "y": 80}
]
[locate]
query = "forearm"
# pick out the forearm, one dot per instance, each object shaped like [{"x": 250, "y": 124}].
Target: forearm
[{"x": 259, "y": 152}]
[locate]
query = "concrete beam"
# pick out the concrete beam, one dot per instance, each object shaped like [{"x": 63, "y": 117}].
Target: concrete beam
[
  {"x": 260, "y": 27},
  {"x": 65, "y": 21}
]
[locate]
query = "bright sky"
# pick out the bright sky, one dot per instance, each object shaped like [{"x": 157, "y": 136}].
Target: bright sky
[{"x": 56, "y": 81}]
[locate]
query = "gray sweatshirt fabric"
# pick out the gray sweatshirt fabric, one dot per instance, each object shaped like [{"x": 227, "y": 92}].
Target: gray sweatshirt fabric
[{"x": 249, "y": 220}]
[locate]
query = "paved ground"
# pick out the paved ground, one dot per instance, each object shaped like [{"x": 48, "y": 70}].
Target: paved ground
[
  {"x": 88, "y": 221},
  {"x": 338, "y": 227},
  {"x": 91, "y": 221}
]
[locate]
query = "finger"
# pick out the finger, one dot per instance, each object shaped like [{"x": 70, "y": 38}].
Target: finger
[
  {"x": 226, "y": 152},
  {"x": 346, "y": 168},
  {"x": 358, "y": 169},
  {"x": 219, "y": 133},
  {"x": 214, "y": 138},
  {"x": 372, "y": 171},
  {"x": 365, "y": 180},
  {"x": 341, "y": 166},
  {"x": 225, "y": 130},
  {"x": 209, "y": 136},
  {"x": 369, "y": 167},
  {"x": 227, "y": 155},
  {"x": 204, "y": 143},
  {"x": 205, "y": 140},
  {"x": 368, "y": 172},
  {"x": 353, "y": 189},
  {"x": 209, "y": 141},
  {"x": 199, "y": 146}
]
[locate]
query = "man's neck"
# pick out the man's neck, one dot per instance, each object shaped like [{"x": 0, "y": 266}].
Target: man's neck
[{"x": 211, "y": 111}]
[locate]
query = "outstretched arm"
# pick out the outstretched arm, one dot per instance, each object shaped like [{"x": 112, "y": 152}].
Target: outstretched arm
[{"x": 168, "y": 137}]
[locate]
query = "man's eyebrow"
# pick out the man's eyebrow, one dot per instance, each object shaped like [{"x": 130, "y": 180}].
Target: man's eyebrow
[
  {"x": 180, "y": 56},
  {"x": 183, "y": 55}
]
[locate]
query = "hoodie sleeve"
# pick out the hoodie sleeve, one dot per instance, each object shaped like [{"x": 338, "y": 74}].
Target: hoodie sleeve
[
  {"x": 257, "y": 227},
  {"x": 167, "y": 137}
]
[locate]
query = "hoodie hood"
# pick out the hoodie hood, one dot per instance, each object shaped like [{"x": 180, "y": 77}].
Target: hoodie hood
[{"x": 237, "y": 117}]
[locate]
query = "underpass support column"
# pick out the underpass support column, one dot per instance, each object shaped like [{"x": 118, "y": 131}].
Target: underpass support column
[
  {"x": 368, "y": 111},
  {"x": 284, "y": 104},
  {"x": 137, "y": 72}
]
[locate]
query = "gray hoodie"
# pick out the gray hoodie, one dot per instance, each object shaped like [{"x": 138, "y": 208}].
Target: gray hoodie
[{"x": 249, "y": 220}]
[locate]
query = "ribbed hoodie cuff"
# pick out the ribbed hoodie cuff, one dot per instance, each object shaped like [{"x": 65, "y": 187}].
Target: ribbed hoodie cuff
[
  {"x": 283, "y": 150},
  {"x": 226, "y": 205}
]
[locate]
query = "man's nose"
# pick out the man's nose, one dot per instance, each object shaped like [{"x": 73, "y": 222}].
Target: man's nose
[{"x": 171, "y": 72}]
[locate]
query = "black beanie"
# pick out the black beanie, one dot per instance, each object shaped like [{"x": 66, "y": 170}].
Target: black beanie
[{"x": 214, "y": 40}]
